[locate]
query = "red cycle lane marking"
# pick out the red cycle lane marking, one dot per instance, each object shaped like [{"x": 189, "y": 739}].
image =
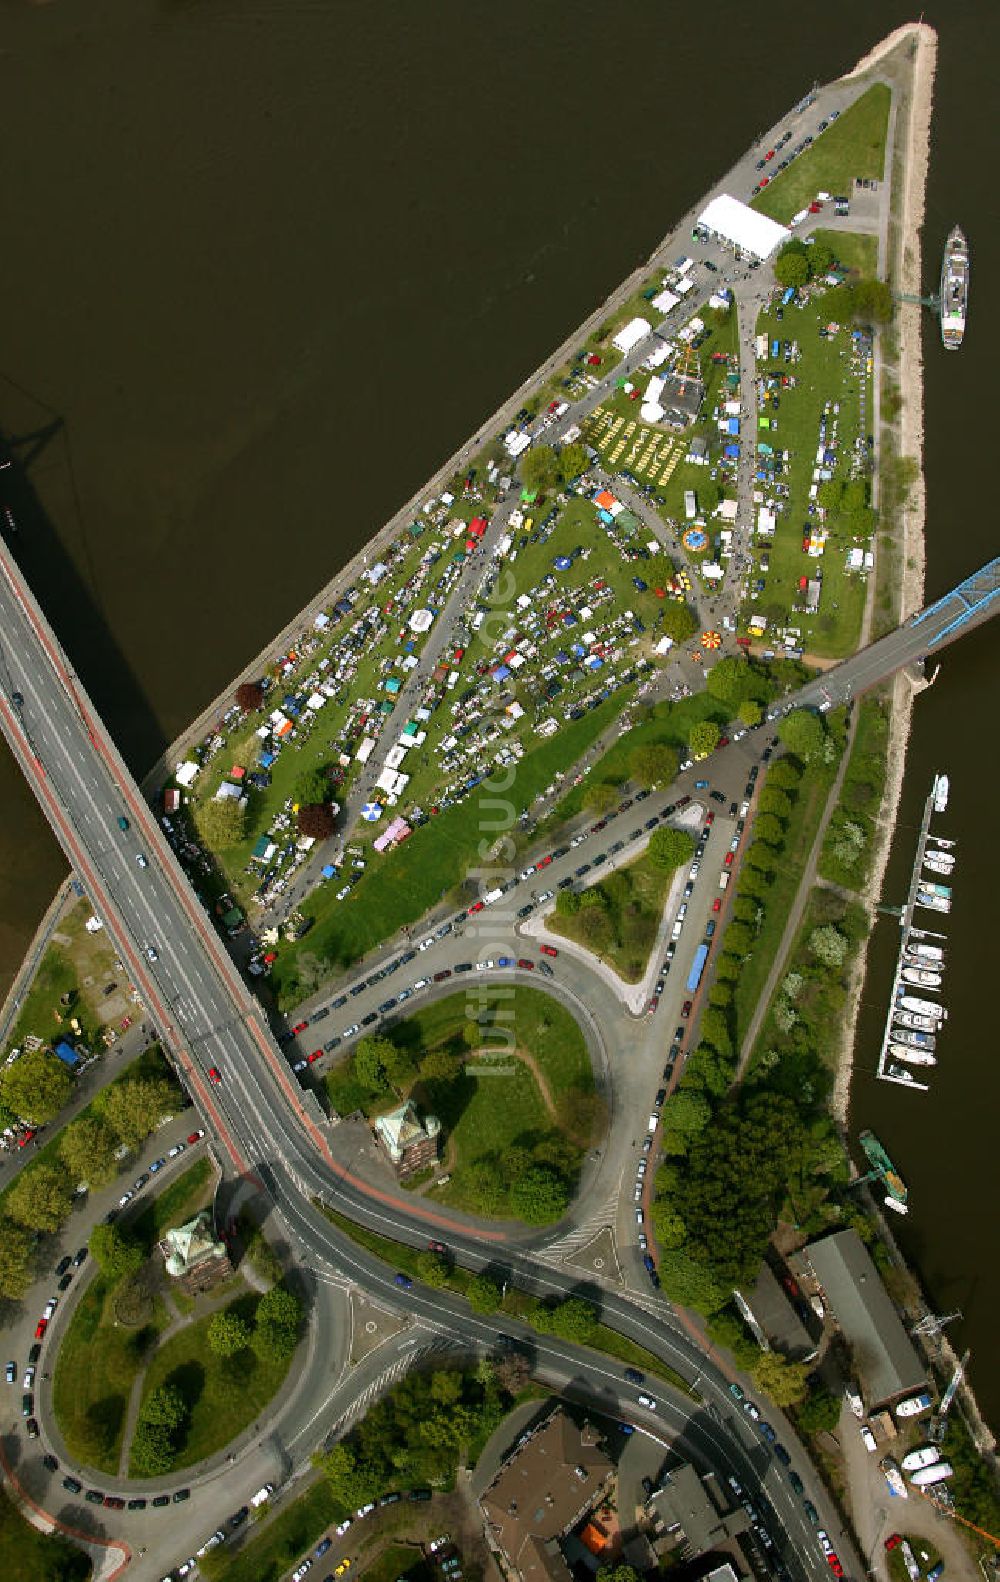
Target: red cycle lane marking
[{"x": 61, "y": 1527}]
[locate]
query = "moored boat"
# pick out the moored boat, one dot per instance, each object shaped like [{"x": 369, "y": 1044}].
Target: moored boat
[
  {"x": 939, "y": 865},
  {"x": 926, "y": 1024},
  {"x": 943, "y": 890},
  {"x": 940, "y": 792},
  {"x": 900, "y": 1073},
  {"x": 892, "y": 1180},
  {"x": 933, "y": 903},
  {"x": 912, "y": 1057},
  {"x": 902, "y": 1035},
  {"x": 923, "y": 978},
  {"x": 931, "y": 952},
  {"x": 954, "y": 294},
  {"x": 910, "y": 1002},
  {"x": 923, "y": 1456}
]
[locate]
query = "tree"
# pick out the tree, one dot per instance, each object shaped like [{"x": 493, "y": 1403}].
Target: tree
[
  {"x": 36, "y": 1086},
  {"x": 574, "y": 1319},
  {"x": 166, "y": 1407},
  {"x": 791, "y": 267},
  {"x": 438, "y": 1065},
  {"x": 819, "y": 1411},
  {"x": 802, "y": 733},
  {"x": 821, "y": 260},
  {"x": 654, "y": 764},
  {"x": 669, "y": 849},
  {"x": 250, "y": 696},
  {"x": 316, "y": 819},
  {"x": 40, "y": 1198},
  {"x": 686, "y": 1112},
  {"x": 483, "y": 1294},
  {"x": 870, "y": 301},
  {"x": 87, "y": 1148},
  {"x": 278, "y": 1320},
  {"x": 228, "y": 1333},
  {"x": 690, "y": 1283},
  {"x": 221, "y": 824},
  {"x": 785, "y": 1382},
  {"x": 151, "y": 1453},
  {"x": 618, "y": 1573},
  {"x": 828, "y": 945},
  {"x": 540, "y": 468},
  {"x": 768, "y": 828},
  {"x": 370, "y": 1062},
  {"x": 134, "y": 1109},
  {"x": 773, "y": 800},
  {"x": 540, "y": 1196},
  {"x": 729, "y": 680},
  {"x": 761, "y": 856},
  {"x": 349, "y": 1480},
  {"x": 312, "y": 786},
  {"x": 573, "y": 461},
  {"x": 433, "y": 1268},
  {"x": 116, "y": 1253},
  {"x": 784, "y": 774},
  {"x": 567, "y": 903},
  {"x": 678, "y": 621},
  {"x": 600, "y": 796},
  {"x": 15, "y": 1259},
  {"x": 750, "y": 713},
  {"x": 703, "y": 738}
]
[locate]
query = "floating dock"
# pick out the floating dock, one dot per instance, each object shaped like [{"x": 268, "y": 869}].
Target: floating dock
[{"x": 922, "y": 957}]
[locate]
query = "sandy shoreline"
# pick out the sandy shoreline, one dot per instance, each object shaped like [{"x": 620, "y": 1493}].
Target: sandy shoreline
[{"x": 905, "y": 275}]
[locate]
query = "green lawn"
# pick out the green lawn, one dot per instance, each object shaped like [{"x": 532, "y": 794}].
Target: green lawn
[
  {"x": 399, "y": 1560},
  {"x": 64, "y": 968},
  {"x": 852, "y": 249},
  {"x": 222, "y": 1394},
  {"x": 853, "y": 146},
  {"x": 921, "y": 1546},
  {"x": 285, "y": 1536},
  {"x": 96, "y": 1365},
  {"x": 666, "y": 724},
  {"x": 404, "y": 884},
  {"x": 634, "y": 897},
  {"x": 178, "y": 1203},
  {"x": 490, "y": 1106},
  {"x": 26, "y": 1555},
  {"x": 807, "y": 810},
  {"x": 823, "y": 375},
  {"x": 847, "y": 848}
]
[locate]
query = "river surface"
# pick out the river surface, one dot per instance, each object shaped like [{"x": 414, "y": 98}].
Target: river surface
[{"x": 267, "y": 264}]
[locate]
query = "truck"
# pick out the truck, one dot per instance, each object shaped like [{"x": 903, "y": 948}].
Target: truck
[
  {"x": 697, "y": 968},
  {"x": 690, "y": 505},
  {"x": 652, "y": 1124}
]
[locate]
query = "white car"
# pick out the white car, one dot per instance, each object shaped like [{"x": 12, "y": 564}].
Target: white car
[
  {"x": 151, "y": 953},
  {"x": 178, "y": 1148},
  {"x": 648, "y": 1401},
  {"x": 425, "y": 944},
  {"x": 349, "y": 1032},
  {"x": 421, "y": 983},
  {"x": 140, "y": 859},
  {"x": 29, "y": 1379},
  {"x": 439, "y": 1542},
  {"x": 300, "y": 1065},
  {"x": 640, "y": 1217},
  {"x": 484, "y": 966},
  {"x": 365, "y": 1510},
  {"x": 527, "y": 872},
  {"x": 868, "y": 1438},
  {"x": 643, "y": 1243},
  {"x": 301, "y": 1570},
  {"x": 345, "y": 1524},
  {"x": 546, "y": 895}
]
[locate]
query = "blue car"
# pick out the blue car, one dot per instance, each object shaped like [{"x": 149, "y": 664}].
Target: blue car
[
  {"x": 506, "y": 961},
  {"x": 405, "y": 1281}
]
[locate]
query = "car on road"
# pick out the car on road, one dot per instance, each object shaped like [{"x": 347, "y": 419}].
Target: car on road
[
  {"x": 213, "y": 1075},
  {"x": 195, "y": 1137},
  {"x": 138, "y": 1504},
  {"x": 796, "y": 1482},
  {"x": 648, "y": 1401},
  {"x": 28, "y": 1382},
  {"x": 686, "y": 1009},
  {"x": 10, "y": 1372},
  {"x": 301, "y": 1570},
  {"x": 151, "y": 953},
  {"x": 477, "y": 906},
  {"x": 63, "y": 1264},
  {"x": 545, "y": 969},
  {"x": 485, "y": 966},
  {"x": 868, "y": 1438},
  {"x": 751, "y": 1411},
  {"x": 71, "y": 1485},
  {"x": 157, "y": 1164},
  {"x": 439, "y": 977},
  {"x": 404, "y": 1281},
  {"x": 180, "y": 1495},
  {"x": 50, "y": 1307},
  {"x": 505, "y": 961},
  {"x": 526, "y": 964},
  {"x": 717, "y": 904},
  {"x": 811, "y": 1511},
  {"x": 27, "y": 1405},
  {"x": 548, "y": 950}
]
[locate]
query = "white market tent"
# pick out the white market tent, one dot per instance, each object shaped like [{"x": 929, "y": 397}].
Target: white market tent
[
  {"x": 736, "y": 222},
  {"x": 631, "y": 334}
]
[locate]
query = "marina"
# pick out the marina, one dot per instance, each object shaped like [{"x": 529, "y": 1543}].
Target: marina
[{"x": 914, "y": 1020}]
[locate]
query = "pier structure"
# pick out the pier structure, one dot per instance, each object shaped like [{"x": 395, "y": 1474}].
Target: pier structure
[{"x": 909, "y": 930}]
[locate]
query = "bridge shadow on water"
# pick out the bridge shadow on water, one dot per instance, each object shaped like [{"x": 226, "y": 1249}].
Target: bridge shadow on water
[{"x": 69, "y": 604}]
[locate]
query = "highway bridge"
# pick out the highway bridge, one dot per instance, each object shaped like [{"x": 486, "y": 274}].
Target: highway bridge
[{"x": 262, "y": 1120}]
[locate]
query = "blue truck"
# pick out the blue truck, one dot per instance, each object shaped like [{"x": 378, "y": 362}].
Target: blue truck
[{"x": 697, "y": 968}]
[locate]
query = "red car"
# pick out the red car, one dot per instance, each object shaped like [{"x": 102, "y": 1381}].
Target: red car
[
  {"x": 526, "y": 964},
  {"x": 729, "y": 859},
  {"x": 893, "y": 1541},
  {"x": 196, "y": 1137},
  {"x": 41, "y": 1327},
  {"x": 769, "y": 154},
  {"x": 709, "y": 818},
  {"x": 436, "y": 1246},
  {"x": 300, "y": 1027},
  {"x": 835, "y": 1565},
  {"x": 314, "y": 1056},
  {"x": 814, "y": 208},
  {"x": 686, "y": 1008},
  {"x": 24, "y": 1139},
  {"x": 717, "y": 904},
  {"x": 477, "y": 906},
  {"x": 764, "y": 180},
  {"x": 548, "y": 950},
  {"x": 543, "y": 862},
  {"x": 651, "y": 1007},
  {"x": 213, "y": 1075}
]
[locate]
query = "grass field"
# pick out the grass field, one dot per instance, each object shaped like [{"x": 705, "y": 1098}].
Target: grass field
[
  {"x": 409, "y": 881},
  {"x": 223, "y": 1394},
  {"x": 853, "y": 146},
  {"x": 852, "y": 249},
  {"x": 800, "y": 833},
  {"x": 896, "y": 1566},
  {"x": 66, "y": 965},
  {"x": 634, "y": 898},
  {"x": 26, "y": 1555},
  {"x": 96, "y": 1366},
  {"x": 489, "y": 1106},
  {"x": 398, "y": 1560},
  {"x": 847, "y": 848},
  {"x": 825, "y": 373}
]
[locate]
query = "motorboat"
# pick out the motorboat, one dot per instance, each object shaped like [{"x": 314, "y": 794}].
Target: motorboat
[
  {"x": 910, "y": 1002},
  {"x": 930, "y": 952},
  {"x": 933, "y": 903},
  {"x": 912, "y": 1040},
  {"x": 923, "y": 978},
  {"x": 912, "y": 1057},
  {"x": 940, "y": 792},
  {"x": 924, "y": 1024},
  {"x": 893, "y": 1476},
  {"x": 923, "y": 1456}
]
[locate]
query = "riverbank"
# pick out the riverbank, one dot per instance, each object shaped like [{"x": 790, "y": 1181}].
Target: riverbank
[{"x": 903, "y": 436}]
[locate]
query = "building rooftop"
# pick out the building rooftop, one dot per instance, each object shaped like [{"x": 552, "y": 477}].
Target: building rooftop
[
  {"x": 883, "y": 1353},
  {"x": 685, "y": 1501},
  {"x": 771, "y": 1311},
  {"x": 736, "y": 222},
  {"x": 548, "y": 1483}
]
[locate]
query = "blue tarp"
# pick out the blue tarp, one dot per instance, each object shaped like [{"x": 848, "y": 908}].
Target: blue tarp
[
  {"x": 562, "y": 563},
  {"x": 733, "y": 426},
  {"x": 605, "y": 516},
  {"x": 267, "y": 759},
  {"x": 66, "y": 1052},
  {"x": 501, "y": 673},
  {"x": 328, "y": 870},
  {"x": 732, "y": 450},
  {"x": 594, "y": 662}
]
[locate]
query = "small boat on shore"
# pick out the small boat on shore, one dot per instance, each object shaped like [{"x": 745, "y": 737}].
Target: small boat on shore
[
  {"x": 922, "y": 978},
  {"x": 912, "y": 1057},
  {"x": 923, "y": 1456},
  {"x": 910, "y": 1002},
  {"x": 924, "y": 1024},
  {"x": 890, "y": 1471},
  {"x": 939, "y": 792},
  {"x": 931, "y": 952}
]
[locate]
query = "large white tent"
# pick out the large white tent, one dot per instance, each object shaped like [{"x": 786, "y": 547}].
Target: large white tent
[{"x": 736, "y": 222}]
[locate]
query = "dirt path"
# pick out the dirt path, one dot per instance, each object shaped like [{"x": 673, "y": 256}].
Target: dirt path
[{"x": 489, "y": 1053}]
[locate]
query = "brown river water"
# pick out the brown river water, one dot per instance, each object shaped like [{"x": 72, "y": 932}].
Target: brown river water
[{"x": 266, "y": 265}]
